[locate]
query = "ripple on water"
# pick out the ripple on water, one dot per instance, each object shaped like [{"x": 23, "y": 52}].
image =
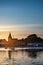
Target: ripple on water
[{"x": 20, "y": 58}]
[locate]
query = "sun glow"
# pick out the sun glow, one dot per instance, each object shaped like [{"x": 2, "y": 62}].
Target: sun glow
[{"x": 20, "y": 31}]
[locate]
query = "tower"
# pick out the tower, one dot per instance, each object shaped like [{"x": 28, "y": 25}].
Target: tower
[{"x": 9, "y": 37}]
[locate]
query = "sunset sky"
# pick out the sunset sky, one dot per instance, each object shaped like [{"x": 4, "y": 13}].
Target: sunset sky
[{"x": 21, "y": 18}]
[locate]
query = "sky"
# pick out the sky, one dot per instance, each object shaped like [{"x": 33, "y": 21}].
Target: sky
[{"x": 21, "y": 17}]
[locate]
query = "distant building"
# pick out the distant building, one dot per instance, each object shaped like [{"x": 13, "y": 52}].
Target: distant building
[
  {"x": 14, "y": 42},
  {"x": 33, "y": 44},
  {"x": 9, "y": 37},
  {"x": 3, "y": 43}
]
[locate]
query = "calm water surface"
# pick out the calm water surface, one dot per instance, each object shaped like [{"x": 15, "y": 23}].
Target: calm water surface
[{"x": 21, "y": 58}]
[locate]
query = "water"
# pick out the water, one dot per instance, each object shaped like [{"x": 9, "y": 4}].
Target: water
[{"x": 21, "y": 58}]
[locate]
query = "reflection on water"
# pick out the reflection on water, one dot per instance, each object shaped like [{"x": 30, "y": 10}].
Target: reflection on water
[{"x": 21, "y": 58}]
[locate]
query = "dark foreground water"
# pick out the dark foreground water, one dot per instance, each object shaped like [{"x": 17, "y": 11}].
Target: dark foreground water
[{"x": 21, "y": 58}]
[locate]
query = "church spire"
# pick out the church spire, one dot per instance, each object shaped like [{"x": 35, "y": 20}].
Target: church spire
[{"x": 9, "y": 37}]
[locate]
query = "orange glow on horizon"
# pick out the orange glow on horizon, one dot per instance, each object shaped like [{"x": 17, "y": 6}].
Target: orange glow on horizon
[
  {"x": 15, "y": 34},
  {"x": 19, "y": 31}
]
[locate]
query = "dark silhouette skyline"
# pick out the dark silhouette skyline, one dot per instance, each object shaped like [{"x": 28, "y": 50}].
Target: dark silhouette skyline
[{"x": 15, "y": 42}]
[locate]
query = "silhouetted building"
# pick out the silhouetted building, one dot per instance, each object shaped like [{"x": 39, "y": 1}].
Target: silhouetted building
[
  {"x": 14, "y": 42},
  {"x": 9, "y": 37}
]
